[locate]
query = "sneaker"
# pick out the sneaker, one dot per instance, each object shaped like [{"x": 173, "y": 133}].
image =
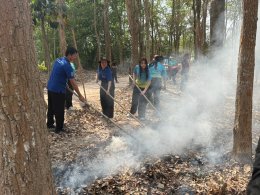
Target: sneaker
[
  {"x": 51, "y": 126},
  {"x": 59, "y": 131}
]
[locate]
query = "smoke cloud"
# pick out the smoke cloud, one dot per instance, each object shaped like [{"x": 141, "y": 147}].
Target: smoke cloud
[{"x": 189, "y": 120}]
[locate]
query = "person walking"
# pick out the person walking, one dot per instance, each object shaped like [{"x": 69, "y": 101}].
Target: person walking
[
  {"x": 173, "y": 69},
  {"x": 61, "y": 73},
  {"x": 114, "y": 71},
  {"x": 185, "y": 68},
  {"x": 142, "y": 80},
  {"x": 104, "y": 74},
  {"x": 69, "y": 93},
  {"x": 159, "y": 75}
]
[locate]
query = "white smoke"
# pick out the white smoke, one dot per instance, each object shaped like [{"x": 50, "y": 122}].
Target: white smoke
[{"x": 189, "y": 121}]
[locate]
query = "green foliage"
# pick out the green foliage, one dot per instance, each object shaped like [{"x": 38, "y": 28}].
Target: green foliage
[{"x": 42, "y": 67}]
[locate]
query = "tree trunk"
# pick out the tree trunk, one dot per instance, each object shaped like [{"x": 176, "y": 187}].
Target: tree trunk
[
  {"x": 106, "y": 30},
  {"x": 204, "y": 26},
  {"x": 242, "y": 148},
  {"x": 47, "y": 57},
  {"x": 62, "y": 35},
  {"x": 25, "y": 163},
  {"x": 96, "y": 32},
  {"x": 133, "y": 21},
  {"x": 217, "y": 23},
  {"x": 152, "y": 29},
  {"x": 147, "y": 10},
  {"x": 197, "y": 27}
]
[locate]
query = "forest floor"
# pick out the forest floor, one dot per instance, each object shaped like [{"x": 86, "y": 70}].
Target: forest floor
[{"x": 185, "y": 152}]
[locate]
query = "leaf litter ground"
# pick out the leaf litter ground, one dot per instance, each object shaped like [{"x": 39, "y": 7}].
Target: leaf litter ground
[{"x": 191, "y": 172}]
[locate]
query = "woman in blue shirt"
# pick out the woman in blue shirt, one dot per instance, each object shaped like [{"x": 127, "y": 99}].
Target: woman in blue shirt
[
  {"x": 142, "y": 80},
  {"x": 104, "y": 74},
  {"x": 158, "y": 74}
]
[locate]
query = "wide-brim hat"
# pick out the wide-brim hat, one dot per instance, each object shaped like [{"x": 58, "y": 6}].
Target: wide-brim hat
[{"x": 103, "y": 59}]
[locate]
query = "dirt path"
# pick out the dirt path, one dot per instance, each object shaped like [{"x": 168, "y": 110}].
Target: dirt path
[{"x": 89, "y": 150}]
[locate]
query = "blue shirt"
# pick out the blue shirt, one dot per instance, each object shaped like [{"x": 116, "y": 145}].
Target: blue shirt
[
  {"x": 141, "y": 80},
  {"x": 159, "y": 72},
  {"x": 172, "y": 62},
  {"x": 61, "y": 72},
  {"x": 104, "y": 74}
]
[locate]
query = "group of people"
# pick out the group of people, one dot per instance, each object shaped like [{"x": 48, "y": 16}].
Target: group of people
[
  {"x": 148, "y": 80},
  {"x": 61, "y": 86},
  {"x": 174, "y": 67}
]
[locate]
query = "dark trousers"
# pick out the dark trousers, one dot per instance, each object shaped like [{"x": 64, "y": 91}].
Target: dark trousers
[
  {"x": 68, "y": 96},
  {"x": 55, "y": 109},
  {"x": 253, "y": 187},
  {"x": 154, "y": 91},
  {"x": 173, "y": 75},
  {"x": 184, "y": 80},
  {"x": 107, "y": 103},
  {"x": 138, "y": 102},
  {"x": 114, "y": 73}
]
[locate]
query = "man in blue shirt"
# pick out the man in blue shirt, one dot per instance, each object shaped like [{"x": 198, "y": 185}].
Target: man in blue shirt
[{"x": 61, "y": 73}]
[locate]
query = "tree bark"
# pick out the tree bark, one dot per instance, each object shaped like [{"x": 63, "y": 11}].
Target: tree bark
[
  {"x": 62, "y": 35},
  {"x": 96, "y": 32},
  {"x": 106, "y": 30},
  {"x": 133, "y": 20},
  {"x": 24, "y": 164},
  {"x": 242, "y": 147},
  {"x": 217, "y": 23},
  {"x": 147, "y": 10},
  {"x": 197, "y": 27}
]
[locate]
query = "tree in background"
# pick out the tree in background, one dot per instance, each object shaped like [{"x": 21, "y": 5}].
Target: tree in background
[
  {"x": 106, "y": 30},
  {"x": 242, "y": 145},
  {"x": 61, "y": 20},
  {"x": 42, "y": 10},
  {"x": 217, "y": 23},
  {"x": 133, "y": 21},
  {"x": 24, "y": 164}
]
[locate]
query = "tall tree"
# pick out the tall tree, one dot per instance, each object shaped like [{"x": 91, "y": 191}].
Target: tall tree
[
  {"x": 41, "y": 11},
  {"x": 96, "y": 31},
  {"x": 242, "y": 148},
  {"x": 24, "y": 164},
  {"x": 217, "y": 23},
  {"x": 133, "y": 21},
  {"x": 197, "y": 27},
  {"x": 61, "y": 20},
  {"x": 147, "y": 11},
  {"x": 106, "y": 30}
]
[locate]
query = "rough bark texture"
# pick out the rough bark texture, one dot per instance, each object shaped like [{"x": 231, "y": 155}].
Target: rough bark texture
[
  {"x": 197, "y": 27},
  {"x": 106, "y": 30},
  {"x": 62, "y": 35},
  {"x": 147, "y": 10},
  {"x": 133, "y": 21},
  {"x": 242, "y": 148},
  {"x": 217, "y": 23},
  {"x": 96, "y": 32},
  {"x": 24, "y": 164}
]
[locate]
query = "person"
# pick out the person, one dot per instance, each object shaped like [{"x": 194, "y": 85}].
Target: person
[
  {"x": 173, "y": 69},
  {"x": 253, "y": 187},
  {"x": 185, "y": 67},
  {"x": 159, "y": 75},
  {"x": 61, "y": 73},
  {"x": 114, "y": 71},
  {"x": 142, "y": 80},
  {"x": 69, "y": 93},
  {"x": 104, "y": 74}
]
